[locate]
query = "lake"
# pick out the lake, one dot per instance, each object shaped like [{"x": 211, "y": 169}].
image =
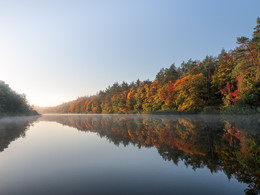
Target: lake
[{"x": 129, "y": 154}]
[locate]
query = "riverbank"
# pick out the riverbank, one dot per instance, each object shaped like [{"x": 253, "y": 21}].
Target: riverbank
[
  {"x": 31, "y": 113},
  {"x": 233, "y": 111}
]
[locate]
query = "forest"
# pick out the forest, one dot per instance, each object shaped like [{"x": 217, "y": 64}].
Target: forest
[
  {"x": 227, "y": 83},
  {"x": 12, "y": 103}
]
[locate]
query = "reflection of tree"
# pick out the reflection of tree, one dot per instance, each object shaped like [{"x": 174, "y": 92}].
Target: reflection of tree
[
  {"x": 240, "y": 151},
  {"x": 12, "y": 128},
  {"x": 220, "y": 144}
]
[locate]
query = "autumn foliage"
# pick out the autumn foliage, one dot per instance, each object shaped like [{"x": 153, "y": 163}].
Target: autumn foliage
[{"x": 231, "y": 80}]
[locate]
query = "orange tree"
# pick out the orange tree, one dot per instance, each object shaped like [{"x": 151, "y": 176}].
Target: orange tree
[{"x": 189, "y": 92}]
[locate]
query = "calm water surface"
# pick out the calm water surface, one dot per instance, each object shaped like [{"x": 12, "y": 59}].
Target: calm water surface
[{"x": 126, "y": 154}]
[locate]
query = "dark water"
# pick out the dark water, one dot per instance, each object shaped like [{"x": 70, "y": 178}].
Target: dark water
[{"x": 121, "y": 154}]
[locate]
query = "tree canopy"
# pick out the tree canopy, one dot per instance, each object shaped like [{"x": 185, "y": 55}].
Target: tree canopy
[
  {"x": 13, "y": 103},
  {"x": 229, "y": 81}
]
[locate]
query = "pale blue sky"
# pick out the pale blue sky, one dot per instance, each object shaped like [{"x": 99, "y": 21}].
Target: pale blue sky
[{"x": 55, "y": 51}]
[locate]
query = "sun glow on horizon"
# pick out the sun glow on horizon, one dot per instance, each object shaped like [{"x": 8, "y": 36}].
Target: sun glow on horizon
[{"x": 57, "y": 51}]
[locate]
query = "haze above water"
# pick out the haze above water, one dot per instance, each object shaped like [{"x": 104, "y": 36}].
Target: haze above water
[{"x": 126, "y": 154}]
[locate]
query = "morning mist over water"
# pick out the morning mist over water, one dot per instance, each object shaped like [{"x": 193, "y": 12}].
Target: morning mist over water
[
  {"x": 129, "y": 97},
  {"x": 129, "y": 154}
]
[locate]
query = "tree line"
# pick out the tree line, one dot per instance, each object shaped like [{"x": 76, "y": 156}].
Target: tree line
[
  {"x": 12, "y": 103},
  {"x": 229, "y": 82}
]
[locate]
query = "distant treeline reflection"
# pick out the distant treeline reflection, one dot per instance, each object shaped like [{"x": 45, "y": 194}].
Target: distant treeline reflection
[
  {"x": 12, "y": 128},
  {"x": 229, "y": 144}
]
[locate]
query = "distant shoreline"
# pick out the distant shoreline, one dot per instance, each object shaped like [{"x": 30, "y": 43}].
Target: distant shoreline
[
  {"x": 34, "y": 113},
  {"x": 159, "y": 113}
]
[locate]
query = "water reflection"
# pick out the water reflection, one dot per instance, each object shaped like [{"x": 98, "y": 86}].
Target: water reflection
[
  {"x": 228, "y": 144},
  {"x": 12, "y": 128}
]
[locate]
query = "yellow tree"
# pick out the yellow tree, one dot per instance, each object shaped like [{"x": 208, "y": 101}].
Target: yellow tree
[{"x": 189, "y": 92}]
